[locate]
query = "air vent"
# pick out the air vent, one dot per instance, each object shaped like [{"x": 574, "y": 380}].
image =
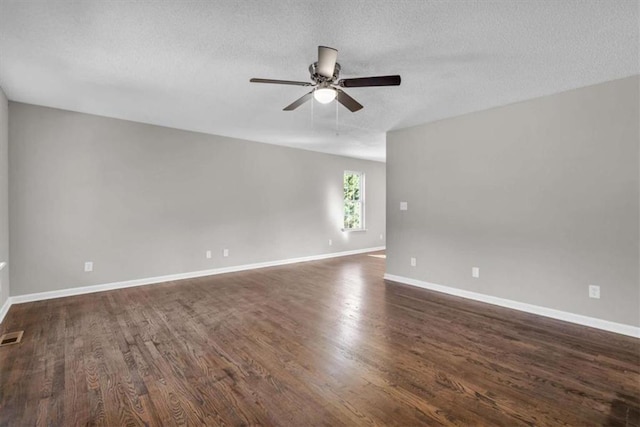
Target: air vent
[{"x": 11, "y": 338}]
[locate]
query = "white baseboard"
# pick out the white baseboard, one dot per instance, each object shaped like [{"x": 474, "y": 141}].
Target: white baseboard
[
  {"x": 632, "y": 331},
  {"x": 19, "y": 299}
]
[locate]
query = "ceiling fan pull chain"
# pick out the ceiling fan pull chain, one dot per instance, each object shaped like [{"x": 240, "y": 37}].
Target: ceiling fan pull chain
[
  {"x": 313, "y": 124},
  {"x": 337, "y": 130}
]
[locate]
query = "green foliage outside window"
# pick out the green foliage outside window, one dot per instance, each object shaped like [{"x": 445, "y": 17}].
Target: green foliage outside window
[{"x": 353, "y": 200}]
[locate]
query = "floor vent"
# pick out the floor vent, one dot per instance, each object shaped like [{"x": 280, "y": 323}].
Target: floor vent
[{"x": 11, "y": 338}]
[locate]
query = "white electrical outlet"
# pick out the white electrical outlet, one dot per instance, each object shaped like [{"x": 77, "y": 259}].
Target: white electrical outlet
[
  {"x": 88, "y": 266},
  {"x": 413, "y": 262},
  {"x": 208, "y": 254},
  {"x": 404, "y": 206},
  {"x": 475, "y": 272},
  {"x": 330, "y": 242},
  {"x": 594, "y": 291},
  {"x": 225, "y": 252},
  {"x": 381, "y": 237}
]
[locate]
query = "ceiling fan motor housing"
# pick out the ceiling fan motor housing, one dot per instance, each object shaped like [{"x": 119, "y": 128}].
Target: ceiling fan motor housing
[{"x": 313, "y": 70}]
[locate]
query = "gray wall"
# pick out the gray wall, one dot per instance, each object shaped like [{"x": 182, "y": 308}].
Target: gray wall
[
  {"x": 141, "y": 201},
  {"x": 4, "y": 196},
  {"x": 542, "y": 195}
]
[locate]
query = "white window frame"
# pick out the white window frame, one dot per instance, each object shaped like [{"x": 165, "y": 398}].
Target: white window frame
[{"x": 362, "y": 200}]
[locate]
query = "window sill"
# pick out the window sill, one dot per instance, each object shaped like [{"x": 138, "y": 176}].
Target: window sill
[{"x": 349, "y": 230}]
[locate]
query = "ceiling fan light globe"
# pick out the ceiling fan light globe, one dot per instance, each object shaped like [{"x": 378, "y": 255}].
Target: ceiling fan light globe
[{"x": 324, "y": 95}]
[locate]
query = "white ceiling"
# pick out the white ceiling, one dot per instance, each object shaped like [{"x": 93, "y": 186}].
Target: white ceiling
[{"x": 187, "y": 64}]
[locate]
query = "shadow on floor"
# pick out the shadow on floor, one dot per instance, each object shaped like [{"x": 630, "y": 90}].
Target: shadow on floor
[{"x": 625, "y": 411}]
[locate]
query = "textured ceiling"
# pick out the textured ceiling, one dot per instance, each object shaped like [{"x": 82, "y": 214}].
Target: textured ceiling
[{"x": 187, "y": 64}]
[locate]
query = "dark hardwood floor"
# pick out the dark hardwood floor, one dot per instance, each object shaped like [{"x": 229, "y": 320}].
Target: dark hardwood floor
[{"x": 317, "y": 343}]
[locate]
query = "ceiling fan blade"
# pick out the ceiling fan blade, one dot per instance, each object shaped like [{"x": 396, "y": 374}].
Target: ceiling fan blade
[
  {"x": 371, "y": 81},
  {"x": 298, "y": 102},
  {"x": 351, "y": 104},
  {"x": 281, "y": 82},
  {"x": 327, "y": 57}
]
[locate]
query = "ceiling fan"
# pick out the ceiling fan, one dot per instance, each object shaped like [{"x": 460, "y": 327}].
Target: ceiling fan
[{"x": 325, "y": 83}]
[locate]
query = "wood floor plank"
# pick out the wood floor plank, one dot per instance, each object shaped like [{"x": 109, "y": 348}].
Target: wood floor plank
[{"x": 317, "y": 343}]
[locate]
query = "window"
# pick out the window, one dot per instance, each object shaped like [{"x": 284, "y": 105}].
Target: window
[{"x": 353, "y": 200}]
